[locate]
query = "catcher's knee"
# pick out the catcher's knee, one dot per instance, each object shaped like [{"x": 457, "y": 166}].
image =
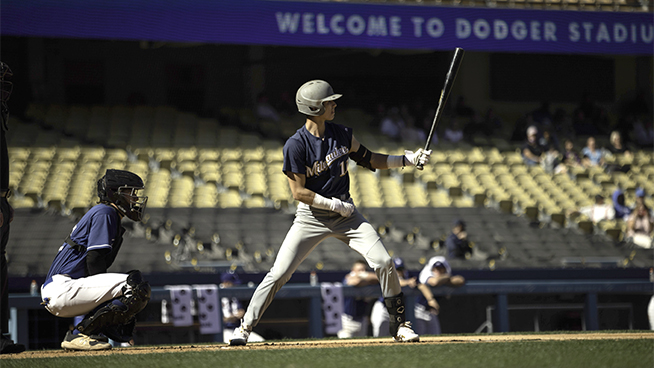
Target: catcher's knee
[{"x": 121, "y": 310}]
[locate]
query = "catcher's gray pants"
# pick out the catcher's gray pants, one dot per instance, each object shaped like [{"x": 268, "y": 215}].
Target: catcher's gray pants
[{"x": 310, "y": 227}]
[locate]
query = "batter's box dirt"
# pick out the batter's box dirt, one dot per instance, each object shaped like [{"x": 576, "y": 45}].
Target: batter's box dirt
[{"x": 333, "y": 343}]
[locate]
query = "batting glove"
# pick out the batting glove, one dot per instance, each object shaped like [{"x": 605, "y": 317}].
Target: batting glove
[
  {"x": 344, "y": 209},
  {"x": 420, "y": 155}
]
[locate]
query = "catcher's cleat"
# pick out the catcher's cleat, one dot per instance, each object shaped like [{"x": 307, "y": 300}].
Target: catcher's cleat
[
  {"x": 406, "y": 334},
  {"x": 240, "y": 336},
  {"x": 83, "y": 342}
]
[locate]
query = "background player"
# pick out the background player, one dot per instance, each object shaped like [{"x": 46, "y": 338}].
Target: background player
[
  {"x": 437, "y": 272},
  {"x": 316, "y": 163},
  {"x": 7, "y": 346},
  {"x": 78, "y": 282},
  {"x": 355, "y": 319}
]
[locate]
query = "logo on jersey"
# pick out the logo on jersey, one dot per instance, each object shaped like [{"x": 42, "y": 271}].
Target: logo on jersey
[{"x": 320, "y": 166}]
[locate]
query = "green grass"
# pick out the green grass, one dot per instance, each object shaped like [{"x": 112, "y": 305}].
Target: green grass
[{"x": 523, "y": 354}]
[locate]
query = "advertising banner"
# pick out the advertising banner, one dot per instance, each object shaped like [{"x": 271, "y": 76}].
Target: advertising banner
[{"x": 334, "y": 24}]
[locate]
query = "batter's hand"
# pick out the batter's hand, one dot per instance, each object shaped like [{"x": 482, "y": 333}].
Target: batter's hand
[
  {"x": 420, "y": 155},
  {"x": 344, "y": 209}
]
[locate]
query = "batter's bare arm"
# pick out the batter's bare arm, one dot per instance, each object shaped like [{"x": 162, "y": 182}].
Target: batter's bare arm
[{"x": 372, "y": 160}]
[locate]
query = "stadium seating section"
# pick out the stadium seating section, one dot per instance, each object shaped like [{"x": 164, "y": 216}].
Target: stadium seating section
[{"x": 218, "y": 197}]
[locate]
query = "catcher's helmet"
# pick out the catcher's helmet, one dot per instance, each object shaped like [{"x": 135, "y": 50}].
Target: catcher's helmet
[
  {"x": 310, "y": 97},
  {"x": 121, "y": 188}
]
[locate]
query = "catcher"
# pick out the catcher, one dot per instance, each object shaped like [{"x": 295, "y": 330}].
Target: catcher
[{"x": 78, "y": 282}]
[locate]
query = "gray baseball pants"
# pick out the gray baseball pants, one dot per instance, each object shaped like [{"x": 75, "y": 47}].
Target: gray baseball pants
[{"x": 310, "y": 227}]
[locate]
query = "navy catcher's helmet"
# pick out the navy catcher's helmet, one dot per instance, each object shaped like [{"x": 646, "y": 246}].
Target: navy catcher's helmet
[{"x": 122, "y": 188}]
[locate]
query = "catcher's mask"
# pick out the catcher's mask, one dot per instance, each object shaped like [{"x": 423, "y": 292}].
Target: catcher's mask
[
  {"x": 123, "y": 189},
  {"x": 311, "y": 96}
]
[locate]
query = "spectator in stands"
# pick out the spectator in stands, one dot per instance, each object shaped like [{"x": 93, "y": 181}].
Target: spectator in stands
[
  {"x": 551, "y": 158},
  {"x": 591, "y": 154},
  {"x": 379, "y": 315},
  {"x": 570, "y": 156},
  {"x": 532, "y": 151},
  {"x": 640, "y": 197},
  {"x": 457, "y": 244},
  {"x": 616, "y": 146},
  {"x": 392, "y": 124},
  {"x": 355, "y": 318},
  {"x": 640, "y": 227},
  {"x": 622, "y": 212},
  {"x": 232, "y": 309},
  {"x": 7, "y": 346},
  {"x": 493, "y": 121},
  {"x": 597, "y": 212},
  {"x": 437, "y": 272}
]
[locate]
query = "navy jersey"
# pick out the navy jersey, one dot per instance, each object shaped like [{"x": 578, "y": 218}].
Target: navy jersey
[
  {"x": 324, "y": 161},
  {"x": 97, "y": 229}
]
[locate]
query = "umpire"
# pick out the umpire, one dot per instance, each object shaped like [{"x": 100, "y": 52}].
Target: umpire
[{"x": 7, "y": 346}]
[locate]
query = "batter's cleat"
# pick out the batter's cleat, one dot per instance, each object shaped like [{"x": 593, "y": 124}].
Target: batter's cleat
[
  {"x": 240, "y": 336},
  {"x": 83, "y": 342},
  {"x": 406, "y": 334}
]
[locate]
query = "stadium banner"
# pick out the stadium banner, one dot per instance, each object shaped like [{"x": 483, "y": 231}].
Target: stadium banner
[{"x": 334, "y": 24}]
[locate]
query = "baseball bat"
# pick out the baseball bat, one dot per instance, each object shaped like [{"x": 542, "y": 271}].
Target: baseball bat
[{"x": 447, "y": 88}]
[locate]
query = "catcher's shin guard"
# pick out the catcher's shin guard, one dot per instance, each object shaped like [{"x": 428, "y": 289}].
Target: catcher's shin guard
[
  {"x": 395, "y": 307},
  {"x": 119, "y": 311}
]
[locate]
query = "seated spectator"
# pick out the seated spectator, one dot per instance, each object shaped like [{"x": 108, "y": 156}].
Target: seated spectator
[
  {"x": 597, "y": 212},
  {"x": 570, "y": 156},
  {"x": 640, "y": 227},
  {"x": 622, "y": 212},
  {"x": 532, "y": 150},
  {"x": 643, "y": 132},
  {"x": 457, "y": 244},
  {"x": 616, "y": 146},
  {"x": 592, "y": 156}
]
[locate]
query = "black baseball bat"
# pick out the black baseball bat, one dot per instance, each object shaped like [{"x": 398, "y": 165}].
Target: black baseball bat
[{"x": 447, "y": 88}]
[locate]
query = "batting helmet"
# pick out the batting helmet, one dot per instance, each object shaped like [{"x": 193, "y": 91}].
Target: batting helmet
[
  {"x": 121, "y": 188},
  {"x": 310, "y": 97}
]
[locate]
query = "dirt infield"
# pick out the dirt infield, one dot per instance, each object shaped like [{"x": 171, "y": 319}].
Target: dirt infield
[{"x": 332, "y": 343}]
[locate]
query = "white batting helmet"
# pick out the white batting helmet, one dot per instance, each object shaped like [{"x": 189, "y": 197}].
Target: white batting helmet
[{"x": 310, "y": 97}]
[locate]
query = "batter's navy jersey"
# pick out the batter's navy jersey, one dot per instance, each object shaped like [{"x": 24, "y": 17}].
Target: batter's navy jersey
[
  {"x": 324, "y": 161},
  {"x": 96, "y": 230}
]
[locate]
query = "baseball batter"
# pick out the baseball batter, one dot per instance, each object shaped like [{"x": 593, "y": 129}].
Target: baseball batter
[
  {"x": 78, "y": 283},
  {"x": 316, "y": 164}
]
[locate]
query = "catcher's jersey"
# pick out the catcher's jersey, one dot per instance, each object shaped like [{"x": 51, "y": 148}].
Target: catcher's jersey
[
  {"x": 97, "y": 229},
  {"x": 324, "y": 161}
]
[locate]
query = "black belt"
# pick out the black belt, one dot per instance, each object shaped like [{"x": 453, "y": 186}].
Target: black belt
[{"x": 5, "y": 193}]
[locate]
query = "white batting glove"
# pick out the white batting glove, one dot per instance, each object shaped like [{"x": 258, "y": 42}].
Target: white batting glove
[
  {"x": 420, "y": 155},
  {"x": 344, "y": 209}
]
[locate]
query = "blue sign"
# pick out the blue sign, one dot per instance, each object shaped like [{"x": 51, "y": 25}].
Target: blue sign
[{"x": 334, "y": 24}]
